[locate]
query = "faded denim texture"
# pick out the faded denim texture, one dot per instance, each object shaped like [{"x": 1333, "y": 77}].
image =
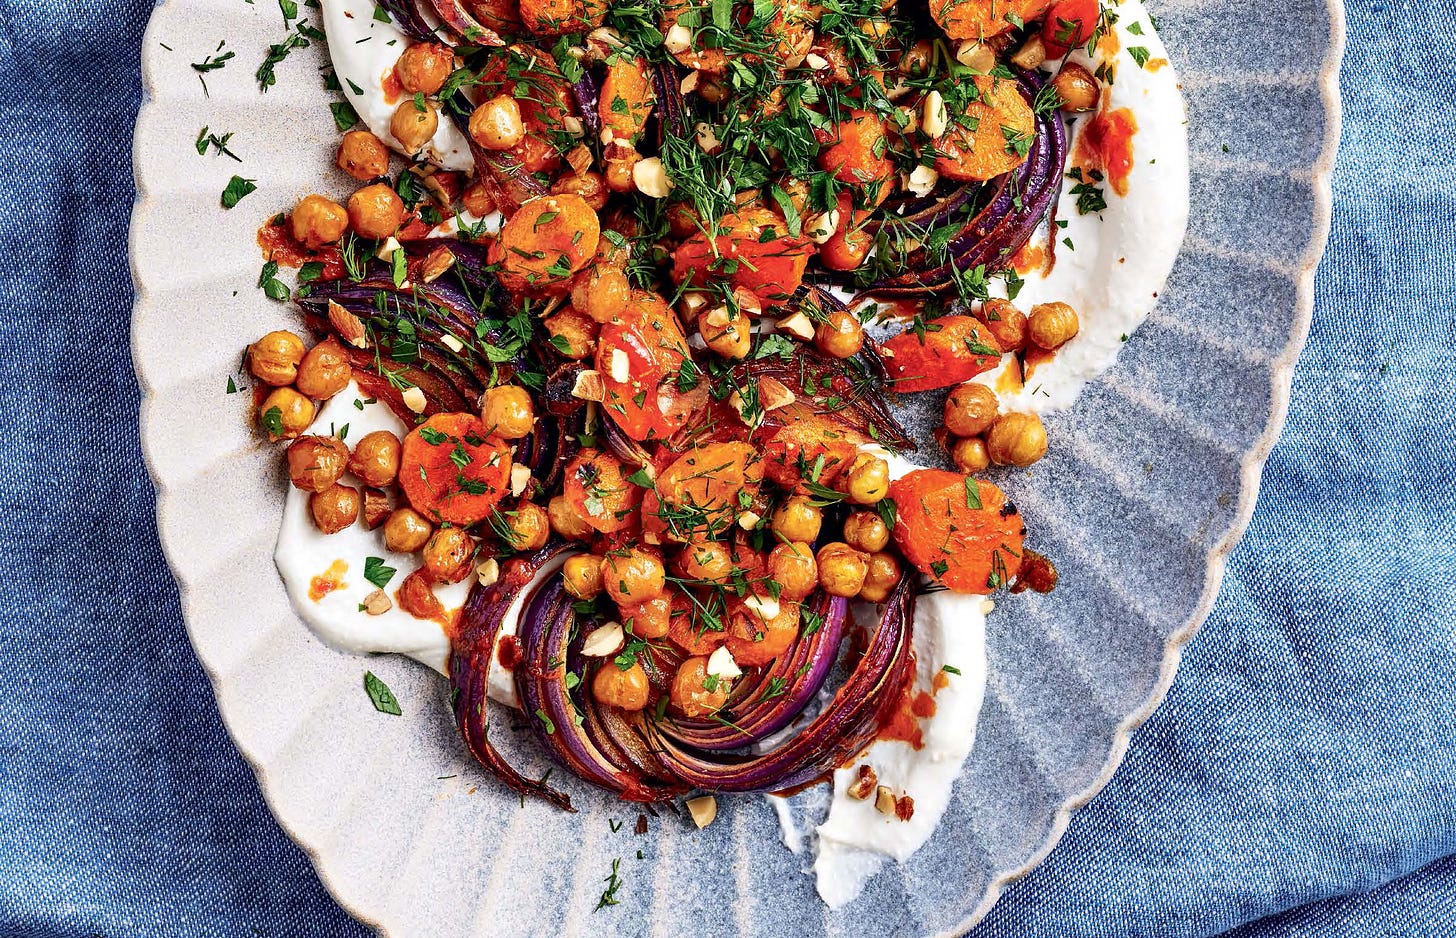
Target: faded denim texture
[{"x": 1298, "y": 781}]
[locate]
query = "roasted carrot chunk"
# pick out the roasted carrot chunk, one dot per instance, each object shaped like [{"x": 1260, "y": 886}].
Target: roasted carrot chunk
[
  {"x": 956, "y": 529},
  {"x": 452, "y": 470}
]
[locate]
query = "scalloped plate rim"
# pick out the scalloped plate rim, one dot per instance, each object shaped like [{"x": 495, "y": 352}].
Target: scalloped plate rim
[{"x": 1281, "y": 374}]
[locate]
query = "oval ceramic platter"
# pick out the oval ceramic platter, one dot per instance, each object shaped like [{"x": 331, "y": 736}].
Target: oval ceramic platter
[{"x": 1150, "y": 481}]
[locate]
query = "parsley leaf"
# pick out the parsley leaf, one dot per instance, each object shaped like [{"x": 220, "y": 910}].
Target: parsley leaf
[{"x": 380, "y": 695}]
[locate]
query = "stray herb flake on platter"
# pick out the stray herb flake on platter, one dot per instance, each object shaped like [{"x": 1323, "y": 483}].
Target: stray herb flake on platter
[
  {"x": 237, "y": 189},
  {"x": 376, "y": 571},
  {"x": 380, "y": 695}
]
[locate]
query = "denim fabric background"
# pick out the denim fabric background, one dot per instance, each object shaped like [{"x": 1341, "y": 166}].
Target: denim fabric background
[{"x": 1298, "y": 781}]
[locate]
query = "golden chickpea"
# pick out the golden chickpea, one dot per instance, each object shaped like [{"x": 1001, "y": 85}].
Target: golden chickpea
[
  {"x": 628, "y": 689},
  {"x": 970, "y": 456},
  {"x": 506, "y": 411},
  {"x": 316, "y": 462},
  {"x": 869, "y": 479},
  {"x": 424, "y": 67},
  {"x": 362, "y": 155},
  {"x": 1077, "y": 88},
  {"x": 882, "y": 573},
  {"x": 797, "y": 520},
  {"x": 1016, "y": 440},
  {"x": 317, "y": 221},
  {"x": 376, "y": 458},
  {"x": 477, "y": 200},
  {"x": 708, "y": 561},
  {"x": 601, "y": 292},
  {"x": 496, "y": 124},
  {"x": 1051, "y": 325},
  {"x": 866, "y": 531},
  {"x": 842, "y": 569},
  {"x": 793, "y": 568},
  {"x": 573, "y": 333},
  {"x": 447, "y": 555},
  {"x": 1007, "y": 324},
  {"x": 652, "y": 619},
  {"x": 727, "y": 332},
  {"x": 841, "y": 335},
  {"x": 335, "y": 508},
  {"x": 690, "y": 694},
  {"x": 406, "y": 531},
  {"x": 582, "y": 576},
  {"x": 376, "y": 211},
  {"x": 529, "y": 527},
  {"x": 412, "y": 126},
  {"x": 566, "y": 520},
  {"x": 324, "y": 371},
  {"x": 589, "y": 185},
  {"x": 619, "y": 174},
  {"x": 274, "y": 358},
  {"x": 285, "y": 414},
  {"x": 633, "y": 576},
  {"x": 970, "y": 409},
  {"x": 916, "y": 60}
]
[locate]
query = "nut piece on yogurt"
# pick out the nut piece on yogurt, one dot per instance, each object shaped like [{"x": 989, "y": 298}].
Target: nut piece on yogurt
[{"x": 864, "y": 785}]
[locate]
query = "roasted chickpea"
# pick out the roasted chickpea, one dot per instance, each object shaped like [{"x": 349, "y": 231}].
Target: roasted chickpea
[
  {"x": 797, "y": 520},
  {"x": 496, "y": 124},
  {"x": 274, "y": 358},
  {"x": 317, "y": 221},
  {"x": 866, "y": 531},
  {"x": 882, "y": 572},
  {"x": 627, "y": 688},
  {"x": 970, "y": 456},
  {"x": 316, "y": 462},
  {"x": 651, "y": 619},
  {"x": 376, "y": 458},
  {"x": 970, "y": 409},
  {"x": 1016, "y": 440},
  {"x": 842, "y": 569},
  {"x": 362, "y": 155},
  {"x": 447, "y": 555},
  {"x": 793, "y": 568},
  {"x": 376, "y": 211},
  {"x": 1077, "y": 88},
  {"x": 1051, "y": 325},
  {"x": 869, "y": 479},
  {"x": 335, "y": 508},
  {"x": 602, "y": 292},
  {"x": 507, "y": 411},
  {"x": 424, "y": 67},
  {"x": 690, "y": 694},
  {"x": 414, "y": 126},
  {"x": 529, "y": 527},
  {"x": 324, "y": 371},
  {"x": 574, "y": 334},
  {"x": 477, "y": 200},
  {"x": 567, "y": 521},
  {"x": 633, "y": 576},
  {"x": 406, "y": 531},
  {"x": 916, "y": 59},
  {"x": 285, "y": 414},
  {"x": 618, "y": 174},
  {"x": 582, "y": 576},
  {"x": 708, "y": 561},
  {"x": 841, "y": 335},
  {"x": 589, "y": 185},
  {"x": 1007, "y": 324},
  {"x": 726, "y": 331}
]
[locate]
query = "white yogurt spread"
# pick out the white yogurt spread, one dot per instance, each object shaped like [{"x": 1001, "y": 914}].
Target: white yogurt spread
[
  {"x": 364, "y": 50},
  {"x": 1118, "y": 260}
]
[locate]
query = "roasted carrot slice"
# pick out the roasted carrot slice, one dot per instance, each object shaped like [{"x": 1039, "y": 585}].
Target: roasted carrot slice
[
  {"x": 946, "y": 351},
  {"x": 956, "y": 529},
  {"x": 452, "y": 470}
]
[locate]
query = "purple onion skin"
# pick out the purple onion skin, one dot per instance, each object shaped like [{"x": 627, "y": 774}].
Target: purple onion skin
[
  {"x": 1005, "y": 224},
  {"x": 472, "y": 654},
  {"x": 588, "y": 96},
  {"x": 470, "y": 30},
  {"x": 407, "y": 16},
  {"x": 848, "y": 724}
]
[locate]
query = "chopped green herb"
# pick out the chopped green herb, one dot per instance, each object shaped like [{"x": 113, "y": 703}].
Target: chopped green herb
[{"x": 379, "y": 693}]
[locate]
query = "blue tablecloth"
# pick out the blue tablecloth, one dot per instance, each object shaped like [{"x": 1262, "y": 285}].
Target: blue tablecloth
[{"x": 1298, "y": 781}]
